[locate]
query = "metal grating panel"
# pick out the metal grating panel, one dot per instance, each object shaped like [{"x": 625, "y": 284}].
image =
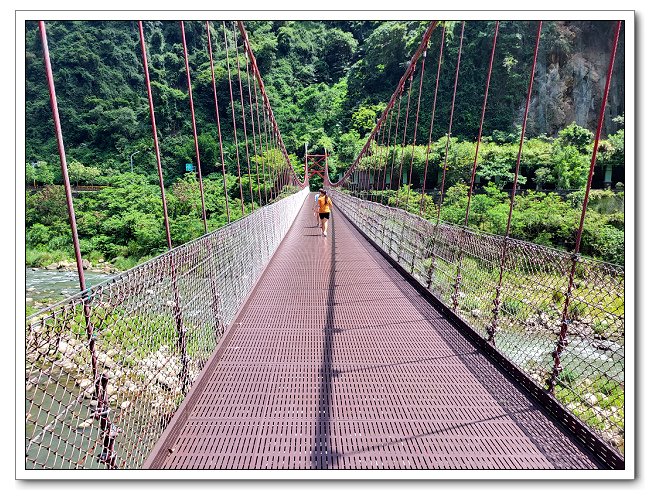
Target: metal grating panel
[{"x": 336, "y": 362}]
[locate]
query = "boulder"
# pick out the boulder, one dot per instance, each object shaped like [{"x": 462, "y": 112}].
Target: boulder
[
  {"x": 605, "y": 345},
  {"x": 105, "y": 360},
  {"x": 63, "y": 347},
  {"x": 85, "y": 263},
  {"x": 83, "y": 383},
  {"x": 85, "y": 423}
]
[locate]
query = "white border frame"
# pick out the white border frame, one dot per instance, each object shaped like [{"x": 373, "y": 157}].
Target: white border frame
[{"x": 628, "y": 16}]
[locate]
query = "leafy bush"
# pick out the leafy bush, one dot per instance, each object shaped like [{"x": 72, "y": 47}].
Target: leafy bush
[
  {"x": 60, "y": 243},
  {"x": 577, "y": 310},
  {"x": 558, "y": 297},
  {"x": 512, "y": 306},
  {"x": 567, "y": 377},
  {"x": 600, "y": 327},
  {"x": 37, "y": 235}
]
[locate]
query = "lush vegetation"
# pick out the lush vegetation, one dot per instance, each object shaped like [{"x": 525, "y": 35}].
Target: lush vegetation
[{"x": 327, "y": 82}]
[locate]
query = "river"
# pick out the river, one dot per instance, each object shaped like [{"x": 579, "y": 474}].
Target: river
[{"x": 45, "y": 287}]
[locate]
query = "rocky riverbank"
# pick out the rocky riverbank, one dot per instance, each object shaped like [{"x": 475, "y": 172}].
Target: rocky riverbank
[
  {"x": 100, "y": 267},
  {"x": 152, "y": 380}
]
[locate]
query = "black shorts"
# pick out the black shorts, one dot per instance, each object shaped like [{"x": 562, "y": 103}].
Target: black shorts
[{"x": 324, "y": 215}]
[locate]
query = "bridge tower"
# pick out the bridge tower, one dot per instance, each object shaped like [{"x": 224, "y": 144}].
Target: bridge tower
[{"x": 316, "y": 164}]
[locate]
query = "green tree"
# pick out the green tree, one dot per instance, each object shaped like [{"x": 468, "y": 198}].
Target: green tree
[{"x": 570, "y": 165}]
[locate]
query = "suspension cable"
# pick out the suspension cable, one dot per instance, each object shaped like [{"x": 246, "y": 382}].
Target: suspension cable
[
  {"x": 196, "y": 139},
  {"x": 266, "y": 144},
  {"x": 377, "y": 164},
  {"x": 250, "y": 107},
  {"x": 459, "y": 235},
  {"x": 398, "y": 90},
  {"x": 391, "y": 102},
  {"x": 480, "y": 128},
  {"x": 403, "y": 142},
  {"x": 265, "y": 99},
  {"x": 392, "y": 163},
  {"x": 243, "y": 117},
  {"x": 562, "y": 339},
  {"x": 386, "y": 155},
  {"x": 155, "y": 134},
  {"x": 69, "y": 202},
  {"x": 259, "y": 135},
  {"x": 234, "y": 123},
  {"x": 216, "y": 112},
  {"x": 415, "y": 129},
  {"x": 492, "y": 328},
  {"x": 451, "y": 121},
  {"x": 433, "y": 114}
]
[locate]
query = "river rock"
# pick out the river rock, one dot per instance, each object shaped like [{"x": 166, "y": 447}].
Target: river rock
[
  {"x": 85, "y": 423},
  {"x": 52, "y": 267},
  {"x": 63, "y": 347},
  {"x": 605, "y": 345},
  {"x": 83, "y": 383},
  {"x": 167, "y": 382},
  {"x": 28, "y": 300},
  {"x": 85, "y": 263},
  {"x": 106, "y": 360},
  {"x": 31, "y": 289}
]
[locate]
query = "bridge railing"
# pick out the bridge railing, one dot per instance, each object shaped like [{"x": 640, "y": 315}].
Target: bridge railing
[
  {"x": 461, "y": 267},
  {"x": 153, "y": 329}
]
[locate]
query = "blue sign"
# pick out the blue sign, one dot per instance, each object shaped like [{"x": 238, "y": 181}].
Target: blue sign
[{"x": 189, "y": 167}]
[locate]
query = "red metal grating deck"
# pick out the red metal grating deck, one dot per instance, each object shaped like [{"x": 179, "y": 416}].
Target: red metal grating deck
[{"x": 335, "y": 361}]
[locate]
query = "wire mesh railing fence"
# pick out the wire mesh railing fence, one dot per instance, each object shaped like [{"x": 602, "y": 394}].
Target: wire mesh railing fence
[
  {"x": 152, "y": 330},
  {"x": 461, "y": 267}
]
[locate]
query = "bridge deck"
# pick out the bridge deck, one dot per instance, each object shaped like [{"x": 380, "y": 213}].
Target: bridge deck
[{"x": 335, "y": 361}]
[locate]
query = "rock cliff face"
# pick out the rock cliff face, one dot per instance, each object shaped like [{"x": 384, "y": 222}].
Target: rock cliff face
[{"x": 570, "y": 78}]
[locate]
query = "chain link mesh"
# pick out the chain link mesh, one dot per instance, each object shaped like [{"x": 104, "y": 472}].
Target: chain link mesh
[
  {"x": 152, "y": 330},
  {"x": 461, "y": 267}
]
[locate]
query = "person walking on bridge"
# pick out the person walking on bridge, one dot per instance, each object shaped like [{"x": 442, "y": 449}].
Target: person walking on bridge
[
  {"x": 324, "y": 209},
  {"x": 318, "y": 224}
]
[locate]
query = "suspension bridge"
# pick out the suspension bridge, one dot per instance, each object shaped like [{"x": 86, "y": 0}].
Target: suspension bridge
[{"x": 396, "y": 342}]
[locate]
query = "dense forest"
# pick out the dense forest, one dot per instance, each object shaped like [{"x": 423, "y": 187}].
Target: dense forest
[{"x": 328, "y": 82}]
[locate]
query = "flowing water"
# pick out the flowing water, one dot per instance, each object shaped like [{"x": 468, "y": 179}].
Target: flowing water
[{"x": 45, "y": 287}]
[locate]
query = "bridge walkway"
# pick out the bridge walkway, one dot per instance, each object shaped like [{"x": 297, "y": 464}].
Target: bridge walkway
[{"x": 336, "y": 362}]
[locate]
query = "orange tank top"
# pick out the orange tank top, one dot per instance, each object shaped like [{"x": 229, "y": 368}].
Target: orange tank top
[{"x": 324, "y": 204}]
